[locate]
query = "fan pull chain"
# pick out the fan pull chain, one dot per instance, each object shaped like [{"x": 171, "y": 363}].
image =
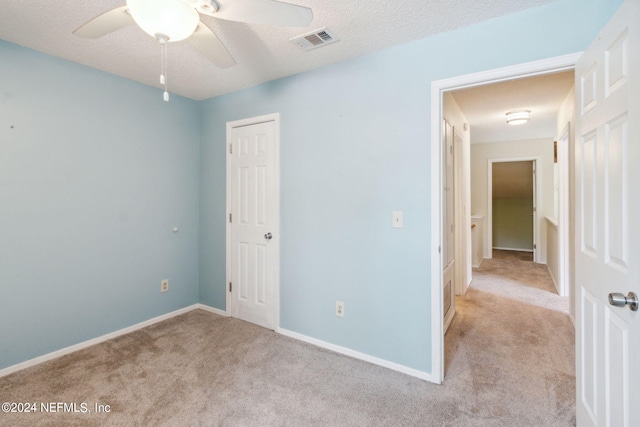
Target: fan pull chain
[{"x": 163, "y": 73}]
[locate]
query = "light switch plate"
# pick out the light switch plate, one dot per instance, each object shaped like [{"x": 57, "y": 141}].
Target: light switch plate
[{"x": 397, "y": 219}]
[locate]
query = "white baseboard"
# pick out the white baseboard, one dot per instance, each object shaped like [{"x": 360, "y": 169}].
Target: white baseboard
[
  {"x": 68, "y": 350},
  {"x": 357, "y": 355},
  {"x": 465, "y": 288},
  {"x": 212, "y": 310},
  {"x": 553, "y": 279},
  {"x": 479, "y": 264},
  {"x": 512, "y": 249},
  {"x": 323, "y": 344}
]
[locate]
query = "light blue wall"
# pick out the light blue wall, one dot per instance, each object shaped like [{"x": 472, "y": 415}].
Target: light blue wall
[
  {"x": 95, "y": 170},
  {"x": 354, "y": 148}
]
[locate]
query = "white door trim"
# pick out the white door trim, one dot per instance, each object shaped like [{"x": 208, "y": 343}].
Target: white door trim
[
  {"x": 564, "y": 200},
  {"x": 462, "y": 221},
  {"x": 536, "y": 194},
  {"x": 545, "y": 66},
  {"x": 275, "y": 117}
]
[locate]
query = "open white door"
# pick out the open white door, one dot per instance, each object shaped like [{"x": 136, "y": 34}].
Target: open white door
[{"x": 608, "y": 223}]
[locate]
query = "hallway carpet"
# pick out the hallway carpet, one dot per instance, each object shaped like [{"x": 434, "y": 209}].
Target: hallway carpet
[
  {"x": 509, "y": 358},
  {"x": 512, "y": 342}
]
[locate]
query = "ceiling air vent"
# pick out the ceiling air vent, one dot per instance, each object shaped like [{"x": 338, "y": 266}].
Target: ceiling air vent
[{"x": 321, "y": 37}]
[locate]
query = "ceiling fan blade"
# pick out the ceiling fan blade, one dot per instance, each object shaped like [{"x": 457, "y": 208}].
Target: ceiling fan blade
[
  {"x": 106, "y": 23},
  {"x": 269, "y": 12},
  {"x": 208, "y": 44}
]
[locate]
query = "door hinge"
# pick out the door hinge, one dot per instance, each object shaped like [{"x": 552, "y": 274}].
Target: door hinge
[
  {"x": 230, "y": 217},
  {"x": 230, "y": 148},
  {"x": 230, "y": 287},
  {"x": 534, "y": 246}
]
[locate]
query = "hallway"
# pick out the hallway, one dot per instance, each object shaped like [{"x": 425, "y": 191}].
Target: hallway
[{"x": 511, "y": 344}]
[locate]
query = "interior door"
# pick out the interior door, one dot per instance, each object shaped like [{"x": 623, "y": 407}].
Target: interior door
[
  {"x": 253, "y": 220},
  {"x": 608, "y": 223},
  {"x": 534, "y": 214},
  {"x": 448, "y": 226}
]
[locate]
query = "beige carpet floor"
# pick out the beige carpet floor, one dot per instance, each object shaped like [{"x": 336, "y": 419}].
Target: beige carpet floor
[{"x": 509, "y": 357}]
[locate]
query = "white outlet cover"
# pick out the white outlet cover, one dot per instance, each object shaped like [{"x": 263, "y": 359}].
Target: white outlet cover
[{"x": 339, "y": 308}]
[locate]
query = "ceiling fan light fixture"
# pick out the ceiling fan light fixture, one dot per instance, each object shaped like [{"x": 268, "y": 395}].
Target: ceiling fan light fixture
[
  {"x": 174, "y": 19},
  {"x": 518, "y": 117}
]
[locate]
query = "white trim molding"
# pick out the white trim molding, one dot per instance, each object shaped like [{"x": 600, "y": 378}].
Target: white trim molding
[
  {"x": 553, "y": 279},
  {"x": 438, "y": 87},
  {"x": 80, "y": 346},
  {"x": 564, "y": 141},
  {"x": 319, "y": 343},
  {"x": 212, "y": 310},
  {"x": 357, "y": 355}
]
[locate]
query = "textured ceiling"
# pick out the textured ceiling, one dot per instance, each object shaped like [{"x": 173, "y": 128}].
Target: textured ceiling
[
  {"x": 262, "y": 53},
  {"x": 485, "y": 107}
]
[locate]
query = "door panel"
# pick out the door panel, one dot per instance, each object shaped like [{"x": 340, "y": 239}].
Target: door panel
[
  {"x": 588, "y": 189},
  {"x": 607, "y": 244},
  {"x": 616, "y": 344},
  {"x": 616, "y": 221},
  {"x": 589, "y": 348}
]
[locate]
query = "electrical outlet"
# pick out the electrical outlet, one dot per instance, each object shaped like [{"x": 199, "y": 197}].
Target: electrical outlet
[
  {"x": 339, "y": 309},
  {"x": 164, "y": 285}
]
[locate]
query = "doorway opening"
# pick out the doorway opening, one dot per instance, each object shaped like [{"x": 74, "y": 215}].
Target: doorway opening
[
  {"x": 439, "y": 89},
  {"x": 512, "y": 205}
]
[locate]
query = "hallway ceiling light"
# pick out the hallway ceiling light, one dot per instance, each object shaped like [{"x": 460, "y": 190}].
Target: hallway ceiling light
[{"x": 518, "y": 117}]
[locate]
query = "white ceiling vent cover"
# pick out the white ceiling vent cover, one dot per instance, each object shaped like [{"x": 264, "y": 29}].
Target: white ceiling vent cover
[{"x": 317, "y": 38}]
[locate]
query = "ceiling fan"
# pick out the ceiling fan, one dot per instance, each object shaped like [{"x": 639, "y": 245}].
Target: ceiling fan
[{"x": 175, "y": 20}]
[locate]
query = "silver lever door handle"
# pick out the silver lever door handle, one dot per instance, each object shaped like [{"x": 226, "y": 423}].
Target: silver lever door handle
[
  {"x": 268, "y": 236},
  {"x": 619, "y": 300}
]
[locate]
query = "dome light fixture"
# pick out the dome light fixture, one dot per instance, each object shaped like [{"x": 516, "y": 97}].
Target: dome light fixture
[
  {"x": 166, "y": 21},
  {"x": 518, "y": 117},
  {"x": 175, "y": 20}
]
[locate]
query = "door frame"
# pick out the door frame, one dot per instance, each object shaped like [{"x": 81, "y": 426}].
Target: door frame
[
  {"x": 536, "y": 202},
  {"x": 274, "y": 117},
  {"x": 564, "y": 218},
  {"x": 438, "y": 87}
]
